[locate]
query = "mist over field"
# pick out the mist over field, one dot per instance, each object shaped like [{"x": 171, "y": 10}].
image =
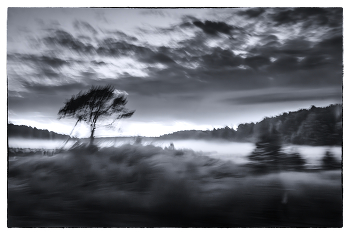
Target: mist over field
[{"x": 236, "y": 152}]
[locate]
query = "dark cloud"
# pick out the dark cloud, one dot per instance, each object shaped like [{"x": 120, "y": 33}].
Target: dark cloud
[
  {"x": 157, "y": 57},
  {"x": 121, "y": 35},
  {"x": 98, "y": 62},
  {"x": 300, "y": 54},
  {"x": 82, "y": 25},
  {"x": 205, "y": 79},
  {"x": 84, "y": 37},
  {"x": 331, "y": 45},
  {"x": 308, "y": 16},
  {"x": 213, "y": 28},
  {"x": 296, "y": 47},
  {"x": 194, "y": 46},
  {"x": 189, "y": 18},
  {"x": 314, "y": 62},
  {"x": 256, "y": 62},
  {"x": 186, "y": 23},
  {"x": 252, "y": 12},
  {"x": 284, "y": 17},
  {"x": 64, "y": 39},
  {"x": 220, "y": 58},
  {"x": 293, "y": 47},
  {"x": 109, "y": 47},
  {"x": 287, "y": 96},
  {"x": 47, "y": 72},
  {"x": 326, "y": 54},
  {"x": 62, "y": 89},
  {"x": 266, "y": 39},
  {"x": 270, "y": 46},
  {"x": 42, "y": 66},
  {"x": 285, "y": 64},
  {"x": 106, "y": 47},
  {"x": 114, "y": 47},
  {"x": 38, "y": 59},
  {"x": 176, "y": 80}
]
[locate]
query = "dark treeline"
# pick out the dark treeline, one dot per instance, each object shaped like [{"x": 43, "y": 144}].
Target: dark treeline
[
  {"x": 30, "y": 132},
  {"x": 314, "y": 126}
]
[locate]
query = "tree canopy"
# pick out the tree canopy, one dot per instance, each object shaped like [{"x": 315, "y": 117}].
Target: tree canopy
[{"x": 98, "y": 103}]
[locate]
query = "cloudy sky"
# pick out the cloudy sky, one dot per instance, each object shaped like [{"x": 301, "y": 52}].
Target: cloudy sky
[{"x": 182, "y": 68}]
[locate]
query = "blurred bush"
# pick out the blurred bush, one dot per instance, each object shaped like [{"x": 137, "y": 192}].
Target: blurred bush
[
  {"x": 329, "y": 162},
  {"x": 268, "y": 155}
]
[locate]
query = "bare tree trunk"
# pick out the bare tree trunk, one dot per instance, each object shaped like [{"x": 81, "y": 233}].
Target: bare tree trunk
[{"x": 92, "y": 135}]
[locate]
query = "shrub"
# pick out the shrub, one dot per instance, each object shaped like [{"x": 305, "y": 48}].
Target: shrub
[{"x": 329, "y": 162}]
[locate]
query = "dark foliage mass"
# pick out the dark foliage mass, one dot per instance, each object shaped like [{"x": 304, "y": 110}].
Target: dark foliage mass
[
  {"x": 30, "y": 132},
  {"x": 269, "y": 157},
  {"x": 329, "y": 162},
  {"x": 314, "y": 126}
]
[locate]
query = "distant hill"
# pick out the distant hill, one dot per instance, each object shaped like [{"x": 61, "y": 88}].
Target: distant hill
[
  {"x": 30, "y": 132},
  {"x": 314, "y": 126}
]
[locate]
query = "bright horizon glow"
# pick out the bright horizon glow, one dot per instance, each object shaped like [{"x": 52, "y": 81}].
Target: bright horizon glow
[
  {"x": 146, "y": 129},
  {"x": 128, "y": 127}
]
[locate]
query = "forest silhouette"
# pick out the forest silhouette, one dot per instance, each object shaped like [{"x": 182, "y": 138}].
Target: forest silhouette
[{"x": 316, "y": 126}]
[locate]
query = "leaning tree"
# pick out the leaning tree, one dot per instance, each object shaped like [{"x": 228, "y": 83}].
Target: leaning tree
[{"x": 96, "y": 104}]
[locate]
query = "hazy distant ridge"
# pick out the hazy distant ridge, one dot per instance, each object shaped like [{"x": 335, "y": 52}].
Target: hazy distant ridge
[
  {"x": 30, "y": 132},
  {"x": 314, "y": 126}
]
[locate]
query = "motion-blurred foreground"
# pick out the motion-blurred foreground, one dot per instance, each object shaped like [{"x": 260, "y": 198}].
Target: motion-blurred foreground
[{"x": 148, "y": 186}]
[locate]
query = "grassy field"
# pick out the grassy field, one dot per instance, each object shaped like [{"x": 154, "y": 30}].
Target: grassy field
[{"x": 148, "y": 186}]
